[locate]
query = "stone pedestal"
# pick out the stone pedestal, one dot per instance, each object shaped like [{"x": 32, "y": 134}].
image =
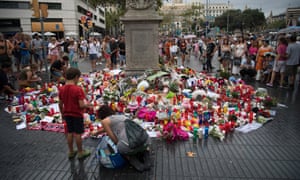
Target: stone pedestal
[{"x": 141, "y": 38}]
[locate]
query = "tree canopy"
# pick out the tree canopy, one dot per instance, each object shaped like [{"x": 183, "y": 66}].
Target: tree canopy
[
  {"x": 249, "y": 19},
  {"x": 118, "y": 3}
]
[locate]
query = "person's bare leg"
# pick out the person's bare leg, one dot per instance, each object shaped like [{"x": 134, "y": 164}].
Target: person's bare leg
[
  {"x": 70, "y": 142},
  {"x": 272, "y": 77},
  {"x": 78, "y": 141}
]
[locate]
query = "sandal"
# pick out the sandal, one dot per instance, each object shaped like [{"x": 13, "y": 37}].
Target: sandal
[
  {"x": 72, "y": 155},
  {"x": 84, "y": 154}
]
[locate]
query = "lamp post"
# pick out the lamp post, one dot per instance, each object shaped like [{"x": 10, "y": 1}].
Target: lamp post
[
  {"x": 227, "y": 16},
  {"x": 206, "y": 23}
]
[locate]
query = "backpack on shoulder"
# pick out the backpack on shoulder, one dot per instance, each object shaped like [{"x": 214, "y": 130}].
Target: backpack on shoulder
[{"x": 137, "y": 136}]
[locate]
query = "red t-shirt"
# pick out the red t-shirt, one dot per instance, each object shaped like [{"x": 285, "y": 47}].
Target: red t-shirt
[
  {"x": 281, "y": 50},
  {"x": 70, "y": 95}
]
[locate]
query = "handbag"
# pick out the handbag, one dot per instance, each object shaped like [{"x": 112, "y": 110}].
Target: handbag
[
  {"x": 108, "y": 155},
  {"x": 137, "y": 136}
]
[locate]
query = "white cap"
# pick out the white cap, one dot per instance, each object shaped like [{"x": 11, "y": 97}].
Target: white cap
[{"x": 68, "y": 37}]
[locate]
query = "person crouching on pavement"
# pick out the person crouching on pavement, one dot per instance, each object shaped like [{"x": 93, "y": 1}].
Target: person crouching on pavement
[
  {"x": 247, "y": 68},
  {"x": 5, "y": 86},
  {"x": 58, "y": 68},
  {"x": 28, "y": 77},
  {"x": 72, "y": 105},
  {"x": 114, "y": 126}
]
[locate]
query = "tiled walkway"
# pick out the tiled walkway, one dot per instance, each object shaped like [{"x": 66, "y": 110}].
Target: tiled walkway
[{"x": 271, "y": 152}]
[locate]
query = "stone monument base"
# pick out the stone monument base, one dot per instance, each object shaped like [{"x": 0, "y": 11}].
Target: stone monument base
[{"x": 141, "y": 39}]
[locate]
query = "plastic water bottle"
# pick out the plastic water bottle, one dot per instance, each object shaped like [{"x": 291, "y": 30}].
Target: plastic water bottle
[
  {"x": 195, "y": 134},
  {"x": 200, "y": 119},
  {"x": 206, "y": 132},
  {"x": 200, "y": 133},
  {"x": 92, "y": 117}
]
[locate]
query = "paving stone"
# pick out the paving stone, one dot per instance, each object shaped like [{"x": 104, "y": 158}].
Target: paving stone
[{"x": 271, "y": 152}]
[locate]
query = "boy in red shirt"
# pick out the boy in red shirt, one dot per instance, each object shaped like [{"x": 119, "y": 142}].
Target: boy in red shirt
[{"x": 71, "y": 104}]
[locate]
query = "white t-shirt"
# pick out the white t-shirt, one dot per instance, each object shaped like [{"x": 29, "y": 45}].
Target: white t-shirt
[
  {"x": 93, "y": 48},
  {"x": 173, "y": 48},
  {"x": 52, "y": 51}
]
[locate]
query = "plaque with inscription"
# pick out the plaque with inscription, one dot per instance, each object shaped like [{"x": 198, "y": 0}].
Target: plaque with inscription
[
  {"x": 140, "y": 45},
  {"x": 140, "y": 4}
]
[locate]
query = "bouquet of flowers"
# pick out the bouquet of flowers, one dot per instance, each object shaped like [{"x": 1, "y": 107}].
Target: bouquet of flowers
[{"x": 269, "y": 102}]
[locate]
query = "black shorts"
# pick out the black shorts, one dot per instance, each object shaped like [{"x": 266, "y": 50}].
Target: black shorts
[
  {"x": 113, "y": 59},
  {"x": 74, "y": 124},
  {"x": 291, "y": 70}
]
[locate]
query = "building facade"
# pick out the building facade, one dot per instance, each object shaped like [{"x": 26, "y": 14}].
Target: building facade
[
  {"x": 293, "y": 16},
  {"x": 63, "y": 17},
  {"x": 207, "y": 11}
]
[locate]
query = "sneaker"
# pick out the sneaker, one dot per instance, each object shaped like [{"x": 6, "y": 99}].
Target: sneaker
[
  {"x": 72, "y": 155},
  {"x": 147, "y": 159},
  {"x": 84, "y": 154},
  {"x": 136, "y": 163},
  {"x": 269, "y": 84}
]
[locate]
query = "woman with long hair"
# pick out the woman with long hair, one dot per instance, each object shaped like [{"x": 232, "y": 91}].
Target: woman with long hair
[
  {"x": 93, "y": 53},
  {"x": 106, "y": 51},
  {"x": 240, "y": 51},
  {"x": 260, "y": 57},
  {"x": 72, "y": 48},
  {"x": 226, "y": 55},
  {"x": 53, "y": 50},
  {"x": 280, "y": 61}
]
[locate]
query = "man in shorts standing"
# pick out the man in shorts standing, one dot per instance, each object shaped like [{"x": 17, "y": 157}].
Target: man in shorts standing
[
  {"x": 114, "y": 51},
  {"x": 37, "y": 47},
  {"x": 122, "y": 53},
  {"x": 293, "y": 60},
  {"x": 72, "y": 105}
]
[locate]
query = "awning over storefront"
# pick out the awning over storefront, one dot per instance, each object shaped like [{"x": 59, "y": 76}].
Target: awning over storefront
[
  {"x": 48, "y": 26},
  {"x": 10, "y": 29}
]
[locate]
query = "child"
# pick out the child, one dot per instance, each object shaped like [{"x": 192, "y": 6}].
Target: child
[
  {"x": 71, "y": 104},
  {"x": 268, "y": 66}
]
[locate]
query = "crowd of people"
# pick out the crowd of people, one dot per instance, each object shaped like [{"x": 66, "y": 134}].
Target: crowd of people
[
  {"x": 23, "y": 58},
  {"x": 252, "y": 57}
]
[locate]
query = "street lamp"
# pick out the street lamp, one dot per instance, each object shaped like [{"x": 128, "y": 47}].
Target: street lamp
[
  {"x": 227, "y": 16},
  {"x": 206, "y": 23}
]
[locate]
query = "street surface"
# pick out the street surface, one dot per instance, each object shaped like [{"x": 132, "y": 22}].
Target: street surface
[{"x": 271, "y": 152}]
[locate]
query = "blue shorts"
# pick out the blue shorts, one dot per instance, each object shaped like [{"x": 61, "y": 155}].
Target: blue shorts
[
  {"x": 25, "y": 60},
  {"x": 122, "y": 58},
  {"x": 74, "y": 124},
  {"x": 38, "y": 56},
  {"x": 93, "y": 57},
  {"x": 56, "y": 73}
]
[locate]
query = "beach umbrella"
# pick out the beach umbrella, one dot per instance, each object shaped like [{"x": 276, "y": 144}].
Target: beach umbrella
[
  {"x": 190, "y": 36},
  {"x": 71, "y": 34},
  {"x": 34, "y": 33},
  {"x": 49, "y": 34},
  {"x": 95, "y": 34}
]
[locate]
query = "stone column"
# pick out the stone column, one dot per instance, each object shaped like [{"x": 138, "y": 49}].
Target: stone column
[{"x": 141, "y": 23}]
